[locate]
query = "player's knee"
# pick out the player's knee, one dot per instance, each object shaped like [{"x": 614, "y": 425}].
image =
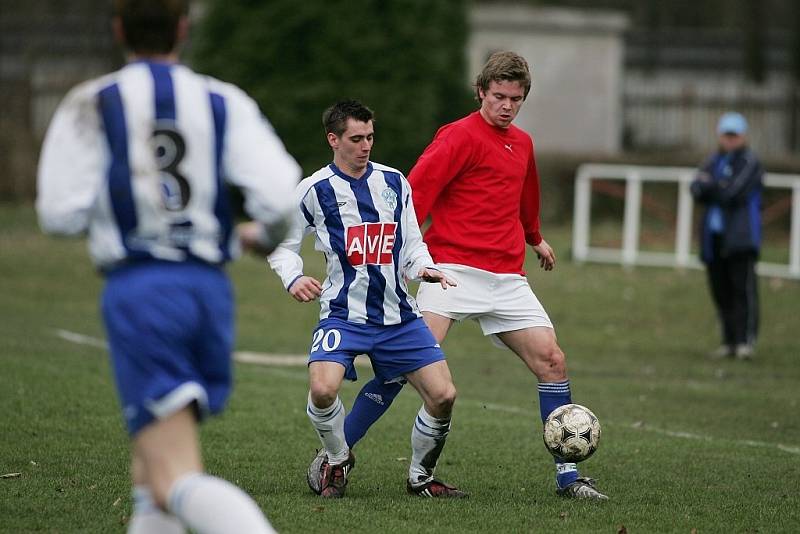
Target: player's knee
[
  {"x": 322, "y": 394},
  {"x": 442, "y": 401},
  {"x": 449, "y": 396}
]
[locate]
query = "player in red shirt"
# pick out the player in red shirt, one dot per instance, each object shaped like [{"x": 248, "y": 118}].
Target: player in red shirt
[{"x": 478, "y": 182}]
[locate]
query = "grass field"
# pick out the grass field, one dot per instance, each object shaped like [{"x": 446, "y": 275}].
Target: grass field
[{"x": 689, "y": 445}]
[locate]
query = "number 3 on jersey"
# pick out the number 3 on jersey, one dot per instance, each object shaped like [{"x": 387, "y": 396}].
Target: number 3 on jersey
[
  {"x": 329, "y": 340},
  {"x": 170, "y": 148}
]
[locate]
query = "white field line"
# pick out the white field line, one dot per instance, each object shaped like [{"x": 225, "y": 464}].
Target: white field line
[
  {"x": 639, "y": 426},
  {"x": 281, "y": 360},
  {"x": 245, "y": 356},
  {"x": 81, "y": 339},
  {"x": 296, "y": 360}
]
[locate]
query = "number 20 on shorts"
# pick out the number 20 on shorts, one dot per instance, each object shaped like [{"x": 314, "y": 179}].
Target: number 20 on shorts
[{"x": 329, "y": 340}]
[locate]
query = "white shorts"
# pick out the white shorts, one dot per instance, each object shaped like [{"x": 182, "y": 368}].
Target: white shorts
[{"x": 499, "y": 302}]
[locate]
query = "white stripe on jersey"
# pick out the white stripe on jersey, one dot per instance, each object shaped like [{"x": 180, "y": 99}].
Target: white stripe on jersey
[
  {"x": 194, "y": 103},
  {"x": 342, "y": 204}
]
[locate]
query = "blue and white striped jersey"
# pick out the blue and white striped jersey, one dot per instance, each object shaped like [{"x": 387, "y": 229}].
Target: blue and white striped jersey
[
  {"x": 140, "y": 158},
  {"x": 369, "y": 234}
]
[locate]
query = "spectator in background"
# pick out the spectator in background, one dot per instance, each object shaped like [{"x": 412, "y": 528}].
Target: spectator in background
[{"x": 729, "y": 186}]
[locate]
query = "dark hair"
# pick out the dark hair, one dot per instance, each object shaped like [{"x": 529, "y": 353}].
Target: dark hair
[
  {"x": 504, "y": 66},
  {"x": 335, "y": 117},
  {"x": 151, "y": 26}
]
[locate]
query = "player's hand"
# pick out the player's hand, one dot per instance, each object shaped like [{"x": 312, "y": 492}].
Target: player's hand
[
  {"x": 434, "y": 275},
  {"x": 546, "y": 255},
  {"x": 305, "y": 289},
  {"x": 249, "y": 235},
  {"x": 253, "y": 238}
]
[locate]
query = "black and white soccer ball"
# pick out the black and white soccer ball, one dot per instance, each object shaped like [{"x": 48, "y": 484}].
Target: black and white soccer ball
[{"x": 572, "y": 432}]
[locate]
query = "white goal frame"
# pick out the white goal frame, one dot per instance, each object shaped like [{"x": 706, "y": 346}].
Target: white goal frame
[{"x": 629, "y": 254}]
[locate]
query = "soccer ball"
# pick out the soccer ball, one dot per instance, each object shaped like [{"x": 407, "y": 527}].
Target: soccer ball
[{"x": 571, "y": 433}]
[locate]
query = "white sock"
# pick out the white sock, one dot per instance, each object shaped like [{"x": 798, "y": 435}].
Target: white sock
[
  {"x": 210, "y": 505},
  {"x": 147, "y": 518},
  {"x": 427, "y": 441},
  {"x": 329, "y": 424}
]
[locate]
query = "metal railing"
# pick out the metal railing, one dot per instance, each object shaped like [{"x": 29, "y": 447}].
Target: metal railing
[{"x": 681, "y": 256}]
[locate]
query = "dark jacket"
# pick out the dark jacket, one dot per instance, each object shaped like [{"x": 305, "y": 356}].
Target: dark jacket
[{"x": 737, "y": 191}]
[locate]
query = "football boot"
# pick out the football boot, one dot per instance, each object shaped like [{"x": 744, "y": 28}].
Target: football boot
[
  {"x": 582, "y": 488},
  {"x": 435, "y": 488},
  {"x": 333, "y": 478}
]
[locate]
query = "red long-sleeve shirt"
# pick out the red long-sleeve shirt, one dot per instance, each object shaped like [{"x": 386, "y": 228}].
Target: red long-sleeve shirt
[{"x": 480, "y": 186}]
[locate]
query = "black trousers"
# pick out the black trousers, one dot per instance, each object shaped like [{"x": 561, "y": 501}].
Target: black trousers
[{"x": 734, "y": 288}]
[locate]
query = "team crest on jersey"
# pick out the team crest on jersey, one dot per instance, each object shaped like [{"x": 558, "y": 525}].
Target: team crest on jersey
[
  {"x": 371, "y": 243},
  {"x": 390, "y": 197}
]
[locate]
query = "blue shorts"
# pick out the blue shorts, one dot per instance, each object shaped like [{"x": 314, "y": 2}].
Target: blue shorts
[
  {"x": 394, "y": 350},
  {"x": 171, "y": 331}
]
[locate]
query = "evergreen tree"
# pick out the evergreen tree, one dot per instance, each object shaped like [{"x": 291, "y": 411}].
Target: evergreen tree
[{"x": 405, "y": 59}]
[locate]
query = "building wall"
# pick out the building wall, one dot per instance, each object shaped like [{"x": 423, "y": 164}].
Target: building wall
[
  {"x": 576, "y": 58},
  {"x": 46, "y": 47},
  {"x": 678, "y": 83},
  {"x": 678, "y": 109}
]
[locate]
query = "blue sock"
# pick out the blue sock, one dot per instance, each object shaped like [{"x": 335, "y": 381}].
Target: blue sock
[
  {"x": 551, "y": 396},
  {"x": 370, "y": 404}
]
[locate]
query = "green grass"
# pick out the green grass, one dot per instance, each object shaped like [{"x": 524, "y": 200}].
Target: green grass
[{"x": 687, "y": 443}]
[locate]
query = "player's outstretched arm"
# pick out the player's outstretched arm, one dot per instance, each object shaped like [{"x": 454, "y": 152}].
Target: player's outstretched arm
[
  {"x": 546, "y": 255},
  {"x": 429, "y": 274},
  {"x": 305, "y": 289}
]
